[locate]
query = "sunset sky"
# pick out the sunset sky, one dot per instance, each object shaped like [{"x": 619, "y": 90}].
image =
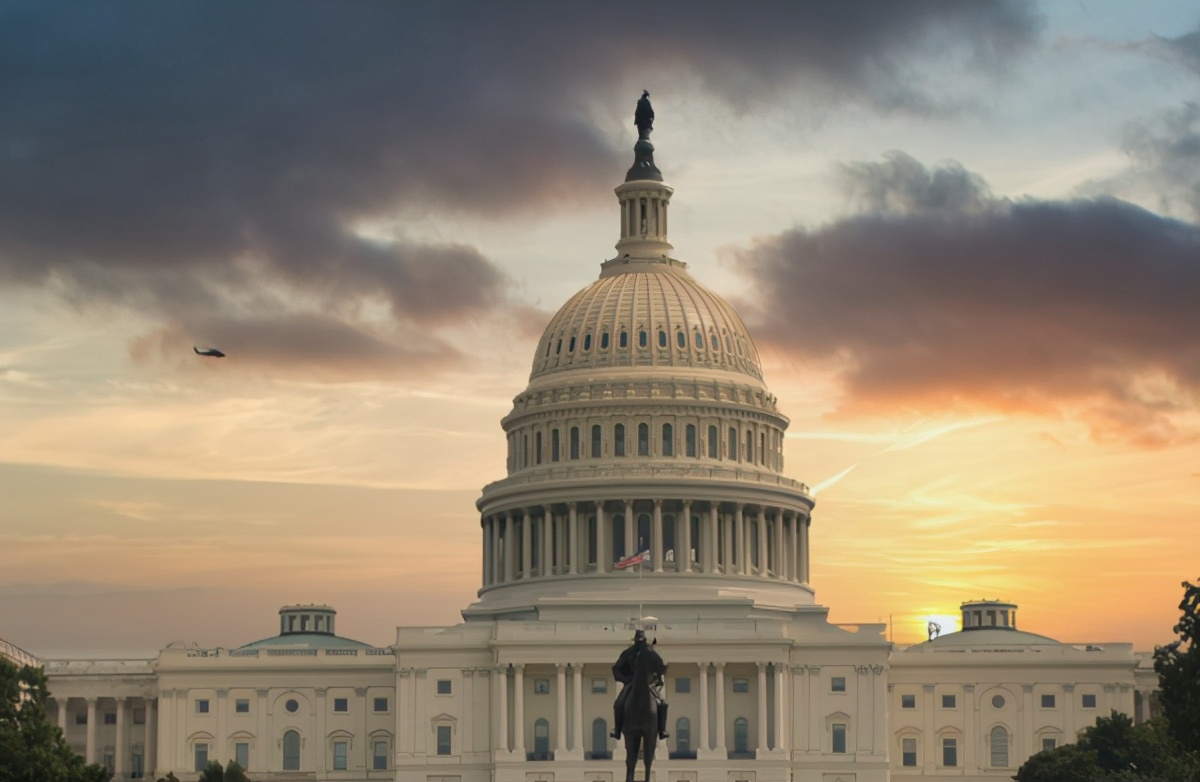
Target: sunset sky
[{"x": 966, "y": 237}]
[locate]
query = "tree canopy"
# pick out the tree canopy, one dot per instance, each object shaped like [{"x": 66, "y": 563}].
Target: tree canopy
[
  {"x": 231, "y": 773},
  {"x": 1178, "y": 667},
  {"x": 31, "y": 749}
]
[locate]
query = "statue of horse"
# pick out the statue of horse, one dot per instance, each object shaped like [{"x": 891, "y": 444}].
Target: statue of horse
[{"x": 641, "y": 712}]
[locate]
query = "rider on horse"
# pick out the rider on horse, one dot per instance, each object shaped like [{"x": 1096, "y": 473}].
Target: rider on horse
[{"x": 623, "y": 672}]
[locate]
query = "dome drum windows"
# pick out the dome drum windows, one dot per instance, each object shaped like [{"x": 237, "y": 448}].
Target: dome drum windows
[
  {"x": 681, "y": 339},
  {"x": 596, "y": 448},
  {"x": 587, "y": 342},
  {"x": 668, "y": 440},
  {"x": 690, "y": 440},
  {"x": 662, "y": 338},
  {"x": 604, "y": 340},
  {"x": 623, "y": 340},
  {"x": 643, "y": 439},
  {"x": 619, "y": 440},
  {"x": 643, "y": 339}
]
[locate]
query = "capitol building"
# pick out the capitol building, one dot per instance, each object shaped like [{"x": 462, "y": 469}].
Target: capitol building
[{"x": 646, "y": 426}]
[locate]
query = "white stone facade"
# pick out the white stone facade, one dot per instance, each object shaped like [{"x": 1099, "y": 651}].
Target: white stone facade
[{"x": 646, "y": 426}]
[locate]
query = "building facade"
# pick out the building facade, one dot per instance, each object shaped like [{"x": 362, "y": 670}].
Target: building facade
[{"x": 646, "y": 426}]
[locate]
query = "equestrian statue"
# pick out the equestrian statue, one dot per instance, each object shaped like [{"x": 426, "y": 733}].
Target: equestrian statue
[{"x": 640, "y": 711}]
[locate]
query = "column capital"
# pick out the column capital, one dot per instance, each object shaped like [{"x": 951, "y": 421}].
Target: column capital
[
  {"x": 762, "y": 666},
  {"x": 718, "y": 665},
  {"x": 927, "y": 688},
  {"x": 814, "y": 670},
  {"x": 1027, "y": 688},
  {"x": 658, "y": 502},
  {"x": 120, "y": 699},
  {"x": 1068, "y": 688},
  {"x": 560, "y": 666},
  {"x": 877, "y": 670},
  {"x": 968, "y": 688},
  {"x": 862, "y": 670},
  {"x": 91, "y": 700},
  {"x": 320, "y": 691},
  {"x": 517, "y": 666},
  {"x": 468, "y": 672},
  {"x": 1110, "y": 688}
]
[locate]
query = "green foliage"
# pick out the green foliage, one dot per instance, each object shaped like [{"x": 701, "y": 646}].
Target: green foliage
[
  {"x": 1071, "y": 763},
  {"x": 231, "y": 773},
  {"x": 1178, "y": 668},
  {"x": 31, "y": 749}
]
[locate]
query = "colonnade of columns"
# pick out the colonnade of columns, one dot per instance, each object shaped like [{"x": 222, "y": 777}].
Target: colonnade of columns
[
  {"x": 773, "y": 703},
  {"x": 123, "y": 764},
  {"x": 567, "y": 539}
]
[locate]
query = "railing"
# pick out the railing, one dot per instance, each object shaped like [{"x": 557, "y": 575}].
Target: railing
[
  {"x": 291, "y": 653},
  {"x": 341, "y": 652},
  {"x": 244, "y": 653},
  {"x": 380, "y": 652}
]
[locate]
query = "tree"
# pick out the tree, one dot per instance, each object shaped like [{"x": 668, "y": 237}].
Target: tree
[
  {"x": 231, "y": 773},
  {"x": 1178, "y": 667},
  {"x": 31, "y": 749}
]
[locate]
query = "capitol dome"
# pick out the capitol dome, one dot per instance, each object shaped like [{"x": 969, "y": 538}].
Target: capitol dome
[{"x": 646, "y": 430}]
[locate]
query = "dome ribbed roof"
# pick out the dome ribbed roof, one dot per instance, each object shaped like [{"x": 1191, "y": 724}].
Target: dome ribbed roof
[{"x": 667, "y": 318}]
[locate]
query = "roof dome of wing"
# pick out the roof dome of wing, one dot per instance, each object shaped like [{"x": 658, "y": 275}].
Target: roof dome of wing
[{"x": 646, "y": 313}]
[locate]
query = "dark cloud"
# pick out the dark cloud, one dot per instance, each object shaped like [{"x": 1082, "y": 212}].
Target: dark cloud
[
  {"x": 943, "y": 296},
  {"x": 185, "y": 155},
  {"x": 1165, "y": 152}
]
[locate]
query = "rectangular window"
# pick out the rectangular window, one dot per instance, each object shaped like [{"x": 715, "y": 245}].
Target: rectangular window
[
  {"x": 241, "y": 754},
  {"x": 619, "y": 440},
  {"x": 713, "y": 443},
  {"x": 139, "y": 716},
  {"x": 574, "y": 442},
  {"x": 908, "y": 752},
  {"x": 749, "y": 446},
  {"x": 443, "y": 687},
  {"x": 643, "y": 439},
  {"x": 908, "y": 701},
  {"x": 741, "y": 685},
  {"x": 200, "y": 756},
  {"x": 541, "y": 686},
  {"x": 839, "y": 738},
  {"x": 1048, "y": 744},
  {"x": 554, "y": 445},
  {"x": 443, "y": 739},
  {"x": 948, "y": 702},
  {"x": 242, "y": 705},
  {"x": 690, "y": 439},
  {"x": 81, "y": 718},
  {"x": 202, "y": 706},
  {"x": 1047, "y": 701},
  {"x": 339, "y": 756},
  {"x": 668, "y": 440},
  {"x": 596, "y": 441},
  {"x": 341, "y": 705},
  {"x": 599, "y": 685},
  {"x": 949, "y": 752},
  {"x": 1089, "y": 701},
  {"x": 683, "y": 684},
  {"x": 380, "y": 756},
  {"x": 110, "y": 718},
  {"x": 732, "y": 454},
  {"x": 538, "y": 446},
  {"x": 837, "y": 684},
  {"x": 381, "y": 704}
]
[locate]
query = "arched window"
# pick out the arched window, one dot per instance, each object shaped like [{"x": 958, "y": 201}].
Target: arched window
[
  {"x": 587, "y": 341},
  {"x": 643, "y": 439},
  {"x": 699, "y": 338},
  {"x": 291, "y": 751},
  {"x": 554, "y": 446},
  {"x": 681, "y": 339},
  {"x": 595, "y": 441},
  {"x": 714, "y": 444},
  {"x": 558, "y": 348},
  {"x": 741, "y": 735},
  {"x": 619, "y": 440},
  {"x": 690, "y": 439},
  {"x": 999, "y": 741},
  {"x": 541, "y": 737},
  {"x": 643, "y": 532},
  {"x": 749, "y": 446},
  {"x": 668, "y": 440},
  {"x": 604, "y": 340},
  {"x": 574, "y": 442},
  {"x": 762, "y": 449},
  {"x": 599, "y": 738},
  {"x": 537, "y": 440},
  {"x": 549, "y": 345},
  {"x": 571, "y": 345},
  {"x": 683, "y": 735},
  {"x": 733, "y": 443},
  {"x": 713, "y": 344},
  {"x": 624, "y": 339},
  {"x": 662, "y": 338},
  {"x": 642, "y": 341}
]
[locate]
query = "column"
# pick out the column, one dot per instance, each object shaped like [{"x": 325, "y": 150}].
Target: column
[
  {"x": 710, "y": 550},
  {"x": 575, "y": 549},
  {"x": 762, "y": 542},
  {"x": 261, "y": 749},
  {"x": 321, "y": 746},
  {"x": 727, "y": 529},
  {"x": 1024, "y": 743},
  {"x": 864, "y": 696},
  {"x": 630, "y": 526},
  {"x": 720, "y": 715},
  {"x": 218, "y": 743},
  {"x": 577, "y": 709},
  {"x": 150, "y": 753},
  {"x": 932, "y": 754},
  {"x": 90, "y": 752},
  {"x": 793, "y": 548},
  {"x": 487, "y": 552},
  {"x": 805, "y": 522},
  {"x": 969, "y": 738},
  {"x": 799, "y": 692},
  {"x": 62, "y": 713},
  {"x": 656, "y": 538},
  {"x": 812, "y": 692},
  {"x": 780, "y": 554},
  {"x": 405, "y": 704},
  {"x": 879, "y": 684},
  {"x": 546, "y": 558},
  {"x": 560, "y": 690},
  {"x": 705, "y": 738},
  {"x": 604, "y": 561},
  {"x": 509, "y": 546},
  {"x": 683, "y": 539},
  {"x": 526, "y": 544},
  {"x": 1068, "y": 713},
  {"x": 762, "y": 728},
  {"x": 119, "y": 746},
  {"x": 781, "y": 700},
  {"x": 471, "y": 729},
  {"x": 739, "y": 523},
  {"x": 519, "y": 710},
  {"x": 500, "y": 679}
]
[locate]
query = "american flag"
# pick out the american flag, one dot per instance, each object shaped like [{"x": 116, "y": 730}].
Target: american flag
[{"x": 636, "y": 559}]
